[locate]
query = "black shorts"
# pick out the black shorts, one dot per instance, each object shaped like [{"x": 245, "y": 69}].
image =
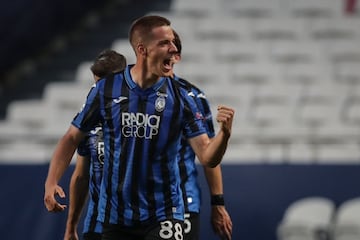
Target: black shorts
[
  {"x": 92, "y": 236},
  {"x": 192, "y": 226},
  {"x": 167, "y": 229}
]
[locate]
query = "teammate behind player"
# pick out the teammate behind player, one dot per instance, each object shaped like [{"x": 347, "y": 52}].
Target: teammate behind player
[
  {"x": 220, "y": 219},
  {"x": 87, "y": 175}
]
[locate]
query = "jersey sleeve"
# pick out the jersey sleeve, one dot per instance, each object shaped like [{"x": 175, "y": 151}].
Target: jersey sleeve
[
  {"x": 83, "y": 148},
  {"x": 193, "y": 118},
  {"x": 204, "y": 106},
  {"x": 89, "y": 115}
]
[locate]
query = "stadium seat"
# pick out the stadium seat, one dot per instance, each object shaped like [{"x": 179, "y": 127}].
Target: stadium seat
[
  {"x": 294, "y": 52},
  {"x": 221, "y": 29},
  {"x": 277, "y": 29},
  {"x": 233, "y": 53},
  {"x": 307, "y": 218},
  {"x": 123, "y": 46},
  {"x": 330, "y": 30},
  {"x": 307, "y": 73},
  {"x": 341, "y": 152},
  {"x": 83, "y": 74},
  {"x": 314, "y": 9},
  {"x": 196, "y": 52},
  {"x": 347, "y": 73},
  {"x": 347, "y": 51},
  {"x": 347, "y": 220},
  {"x": 27, "y": 114},
  {"x": 251, "y": 9},
  {"x": 194, "y": 9}
]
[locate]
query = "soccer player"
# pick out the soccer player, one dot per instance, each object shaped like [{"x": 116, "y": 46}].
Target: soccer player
[
  {"x": 144, "y": 113},
  {"x": 221, "y": 221},
  {"x": 89, "y": 162}
]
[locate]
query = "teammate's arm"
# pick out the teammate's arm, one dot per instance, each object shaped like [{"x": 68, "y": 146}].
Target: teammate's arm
[
  {"x": 60, "y": 161},
  {"x": 79, "y": 186},
  {"x": 220, "y": 219}
]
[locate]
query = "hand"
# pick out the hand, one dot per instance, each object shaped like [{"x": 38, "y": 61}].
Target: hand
[
  {"x": 225, "y": 117},
  {"x": 49, "y": 198},
  {"x": 221, "y": 222}
]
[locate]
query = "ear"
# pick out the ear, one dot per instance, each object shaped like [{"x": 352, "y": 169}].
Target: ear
[{"x": 141, "y": 49}]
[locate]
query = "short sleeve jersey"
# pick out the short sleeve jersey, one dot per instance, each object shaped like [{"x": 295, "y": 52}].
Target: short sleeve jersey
[
  {"x": 93, "y": 147},
  {"x": 188, "y": 172},
  {"x": 142, "y": 131}
]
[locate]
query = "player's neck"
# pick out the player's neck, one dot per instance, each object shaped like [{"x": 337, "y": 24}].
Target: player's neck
[{"x": 143, "y": 78}]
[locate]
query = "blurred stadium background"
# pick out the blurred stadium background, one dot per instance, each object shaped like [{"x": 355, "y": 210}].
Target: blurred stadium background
[{"x": 290, "y": 68}]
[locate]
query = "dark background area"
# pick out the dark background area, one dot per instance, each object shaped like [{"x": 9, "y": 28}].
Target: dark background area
[
  {"x": 43, "y": 41},
  {"x": 256, "y": 196}
]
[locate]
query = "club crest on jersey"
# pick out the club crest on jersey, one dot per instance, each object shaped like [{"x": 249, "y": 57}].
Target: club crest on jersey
[{"x": 160, "y": 104}]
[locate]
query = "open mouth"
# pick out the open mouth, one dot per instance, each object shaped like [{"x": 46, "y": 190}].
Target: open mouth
[{"x": 168, "y": 64}]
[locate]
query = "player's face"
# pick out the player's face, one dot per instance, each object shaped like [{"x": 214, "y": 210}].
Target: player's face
[{"x": 161, "y": 51}]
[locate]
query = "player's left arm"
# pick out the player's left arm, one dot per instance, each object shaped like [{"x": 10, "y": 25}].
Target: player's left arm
[
  {"x": 220, "y": 218},
  {"x": 210, "y": 151}
]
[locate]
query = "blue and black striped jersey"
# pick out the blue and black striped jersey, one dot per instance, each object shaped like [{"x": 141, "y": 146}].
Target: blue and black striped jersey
[
  {"x": 93, "y": 147},
  {"x": 188, "y": 172},
  {"x": 142, "y": 132}
]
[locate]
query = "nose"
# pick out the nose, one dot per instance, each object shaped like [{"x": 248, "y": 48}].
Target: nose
[{"x": 173, "y": 48}]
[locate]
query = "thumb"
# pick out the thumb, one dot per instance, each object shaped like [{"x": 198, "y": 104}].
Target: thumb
[{"x": 60, "y": 192}]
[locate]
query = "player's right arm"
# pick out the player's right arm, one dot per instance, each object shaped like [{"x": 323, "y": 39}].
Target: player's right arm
[
  {"x": 79, "y": 187},
  {"x": 59, "y": 163}
]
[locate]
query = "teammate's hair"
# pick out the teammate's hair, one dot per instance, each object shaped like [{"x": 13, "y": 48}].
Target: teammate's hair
[
  {"x": 177, "y": 41},
  {"x": 108, "y": 61}
]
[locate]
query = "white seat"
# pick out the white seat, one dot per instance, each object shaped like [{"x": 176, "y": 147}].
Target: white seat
[
  {"x": 278, "y": 29},
  {"x": 30, "y": 114},
  {"x": 315, "y": 9},
  {"x": 338, "y": 153},
  {"x": 318, "y": 106},
  {"x": 346, "y": 51},
  {"x": 347, "y": 73},
  {"x": 300, "y": 152},
  {"x": 271, "y": 114},
  {"x": 255, "y": 74},
  {"x": 64, "y": 101},
  {"x": 25, "y": 152},
  {"x": 194, "y": 9},
  {"x": 307, "y": 218},
  {"x": 347, "y": 220},
  {"x": 195, "y": 52},
  {"x": 221, "y": 29},
  {"x": 293, "y": 52},
  {"x": 243, "y": 153},
  {"x": 307, "y": 73},
  {"x": 253, "y": 9},
  {"x": 334, "y": 29},
  {"x": 83, "y": 74},
  {"x": 205, "y": 76},
  {"x": 123, "y": 47},
  {"x": 234, "y": 53},
  {"x": 351, "y": 112}
]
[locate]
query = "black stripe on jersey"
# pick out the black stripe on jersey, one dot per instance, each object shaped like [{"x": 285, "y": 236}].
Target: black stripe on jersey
[
  {"x": 171, "y": 136},
  {"x": 107, "y": 102},
  {"x": 95, "y": 199},
  {"x": 183, "y": 176},
  {"x": 123, "y": 162},
  {"x": 138, "y": 155},
  {"x": 94, "y": 107}
]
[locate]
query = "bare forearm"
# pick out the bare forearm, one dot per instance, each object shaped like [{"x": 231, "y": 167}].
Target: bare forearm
[
  {"x": 61, "y": 160},
  {"x": 216, "y": 149},
  {"x": 214, "y": 179},
  {"x": 78, "y": 194}
]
